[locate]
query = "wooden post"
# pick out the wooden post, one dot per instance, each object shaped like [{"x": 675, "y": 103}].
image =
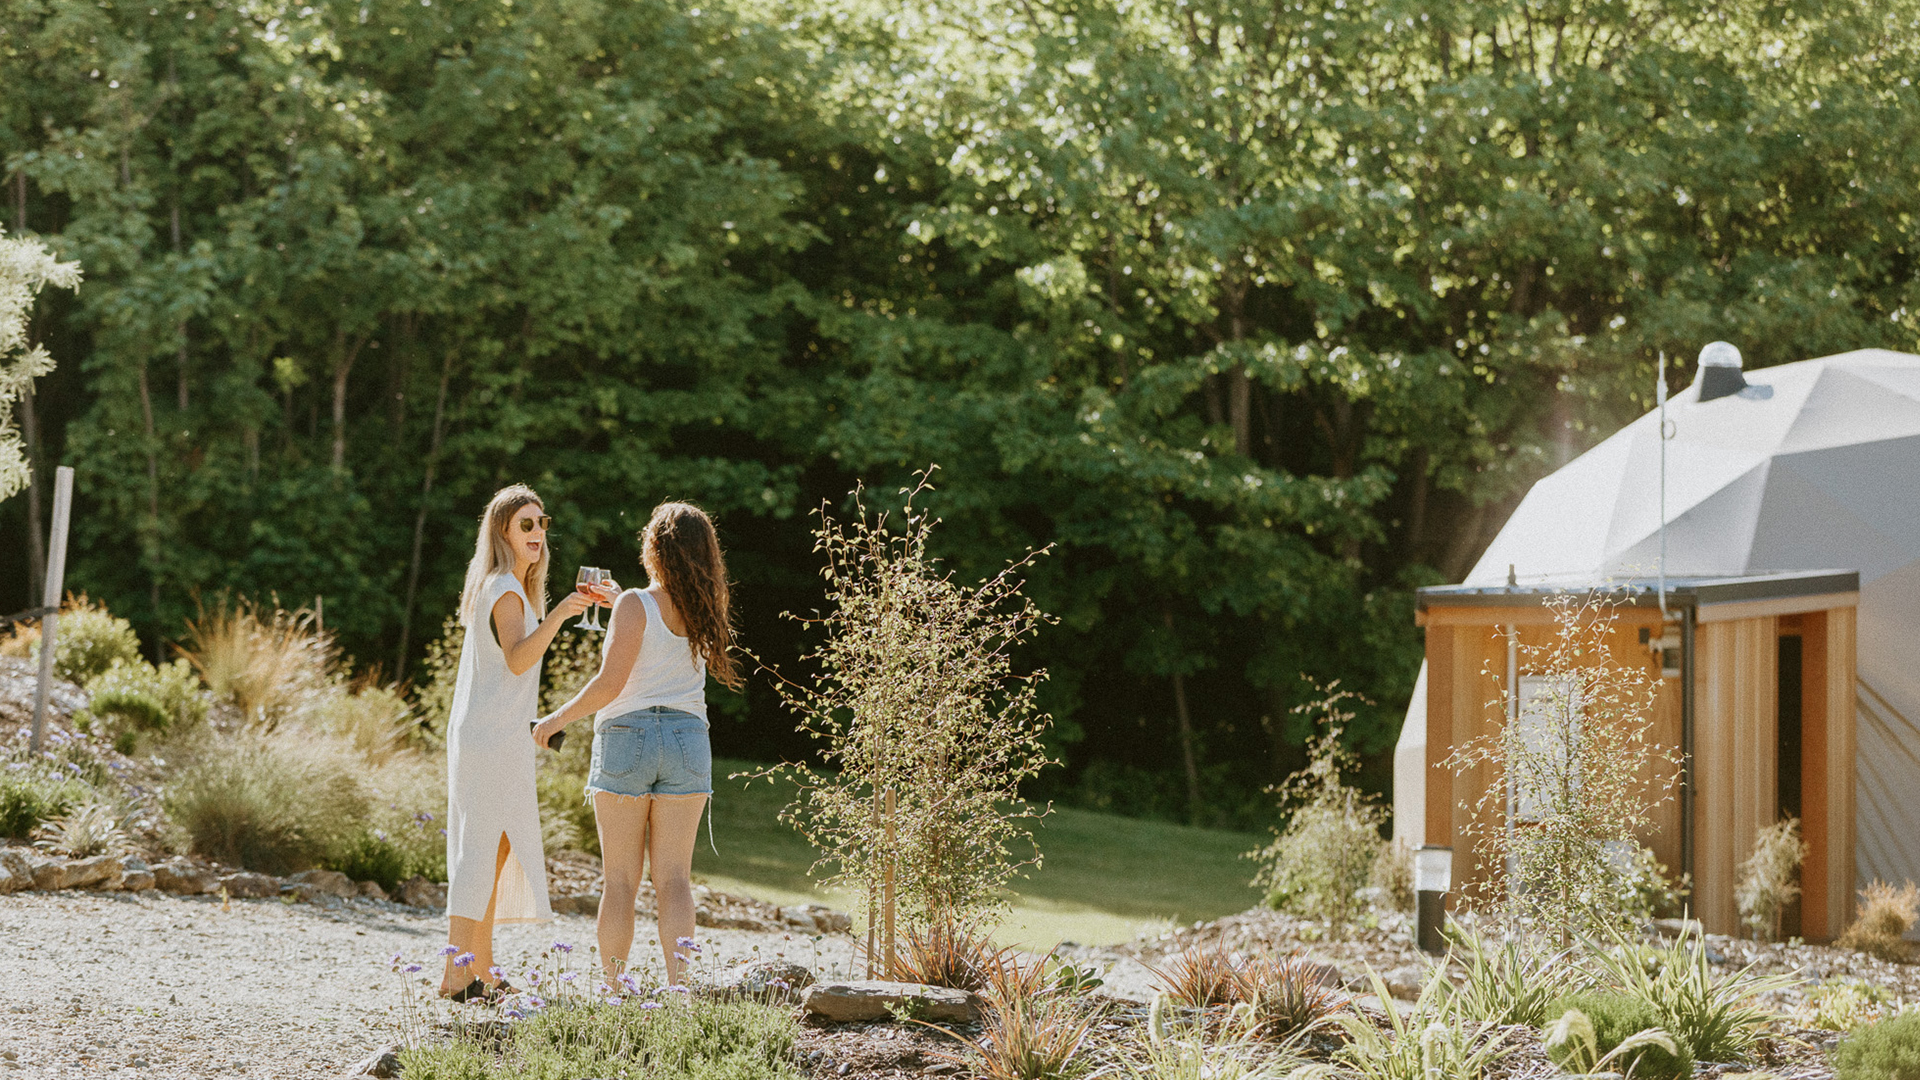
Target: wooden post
[
  {"x": 893, "y": 859},
  {"x": 873, "y": 913},
  {"x": 50, "y": 598}
]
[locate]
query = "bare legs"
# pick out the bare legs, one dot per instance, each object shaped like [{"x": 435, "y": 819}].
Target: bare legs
[
  {"x": 474, "y": 935},
  {"x": 656, "y": 829}
]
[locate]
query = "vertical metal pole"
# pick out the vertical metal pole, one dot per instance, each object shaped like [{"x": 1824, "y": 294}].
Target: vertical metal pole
[
  {"x": 1513, "y": 783},
  {"x": 50, "y": 598},
  {"x": 1687, "y": 635}
]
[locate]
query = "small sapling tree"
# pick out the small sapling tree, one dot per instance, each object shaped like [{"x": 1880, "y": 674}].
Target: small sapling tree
[
  {"x": 1331, "y": 845},
  {"x": 1576, "y": 780},
  {"x": 926, "y": 727}
]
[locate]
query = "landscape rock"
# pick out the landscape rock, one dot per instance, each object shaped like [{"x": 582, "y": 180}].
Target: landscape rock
[
  {"x": 182, "y": 878},
  {"x": 770, "y": 978},
  {"x": 720, "y": 919},
  {"x": 302, "y": 892},
  {"x": 1673, "y": 928},
  {"x": 816, "y": 917},
  {"x": 385, "y": 1063},
  {"x": 419, "y": 892},
  {"x": 132, "y": 874},
  {"x": 249, "y": 885},
  {"x": 844, "y": 1002},
  {"x": 56, "y": 873},
  {"x": 330, "y": 882},
  {"x": 371, "y": 890},
  {"x": 576, "y": 904},
  {"x": 1404, "y": 982},
  {"x": 15, "y": 872}
]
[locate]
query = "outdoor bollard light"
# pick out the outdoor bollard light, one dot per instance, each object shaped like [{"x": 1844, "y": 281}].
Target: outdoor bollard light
[{"x": 1432, "y": 876}]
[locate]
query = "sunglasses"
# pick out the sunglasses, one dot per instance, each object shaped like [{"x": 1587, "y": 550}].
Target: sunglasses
[{"x": 544, "y": 521}]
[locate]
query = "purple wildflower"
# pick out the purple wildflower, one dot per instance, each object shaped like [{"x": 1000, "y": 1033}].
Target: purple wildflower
[
  {"x": 685, "y": 942},
  {"x": 463, "y": 960},
  {"x": 533, "y": 977},
  {"x": 560, "y": 947},
  {"x": 534, "y": 1001},
  {"x": 411, "y": 968},
  {"x": 569, "y": 976},
  {"x": 676, "y": 989},
  {"x": 515, "y": 1014},
  {"x": 449, "y": 950},
  {"x": 395, "y": 960},
  {"x": 496, "y": 973},
  {"x": 649, "y": 1004}
]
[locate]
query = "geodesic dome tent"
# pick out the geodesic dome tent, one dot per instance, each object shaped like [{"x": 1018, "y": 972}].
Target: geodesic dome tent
[{"x": 1807, "y": 466}]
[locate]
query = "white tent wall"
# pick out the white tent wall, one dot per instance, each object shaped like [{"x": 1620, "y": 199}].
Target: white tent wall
[{"x": 1815, "y": 466}]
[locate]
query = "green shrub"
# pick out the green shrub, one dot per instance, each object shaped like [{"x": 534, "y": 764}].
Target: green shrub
[
  {"x": 686, "y": 1040},
  {"x": 1712, "y": 1017},
  {"x": 1615, "y": 1017},
  {"x": 31, "y": 793},
  {"x": 134, "y": 697},
  {"x": 90, "y": 640},
  {"x": 270, "y": 803},
  {"x": 376, "y": 720},
  {"x": 1888, "y": 1050},
  {"x": 1327, "y": 853}
]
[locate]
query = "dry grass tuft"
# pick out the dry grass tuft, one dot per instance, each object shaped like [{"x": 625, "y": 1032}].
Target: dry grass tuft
[
  {"x": 948, "y": 954},
  {"x": 1885, "y": 916},
  {"x": 1200, "y": 977},
  {"x": 1033, "y": 1032},
  {"x": 272, "y": 667},
  {"x": 94, "y": 828},
  {"x": 1286, "y": 996}
]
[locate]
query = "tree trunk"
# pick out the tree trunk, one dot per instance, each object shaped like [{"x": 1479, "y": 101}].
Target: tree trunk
[
  {"x": 36, "y": 544},
  {"x": 174, "y": 215},
  {"x": 1239, "y": 384},
  {"x": 152, "y": 529},
  {"x": 1186, "y": 736},
  {"x": 1417, "y": 507},
  {"x": 420, "y": 516},
  {"x": 344, "y": 356}
]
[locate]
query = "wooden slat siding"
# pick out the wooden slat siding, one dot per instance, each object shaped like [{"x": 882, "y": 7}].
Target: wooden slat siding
[
  {"x": 1842, "y": 704},
  {"x": 1735, "y": 727},
  {"x": 1487, "y": 618},
  {"x": 1441, "y": 646},
  {"x": 1816, "y": 909},
  {"x": 1466, "y": 664}
]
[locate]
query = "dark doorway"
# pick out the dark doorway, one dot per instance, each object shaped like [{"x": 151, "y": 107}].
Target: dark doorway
[{"x": 1787, "y": 780}]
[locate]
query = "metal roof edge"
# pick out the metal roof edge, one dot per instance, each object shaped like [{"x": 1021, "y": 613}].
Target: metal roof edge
[{"x": 1644, "y": 592}]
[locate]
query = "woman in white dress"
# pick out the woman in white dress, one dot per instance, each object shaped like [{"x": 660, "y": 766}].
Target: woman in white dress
[
  {"x": 496, "y": 866},
  {"x": 652, "y": 765}
]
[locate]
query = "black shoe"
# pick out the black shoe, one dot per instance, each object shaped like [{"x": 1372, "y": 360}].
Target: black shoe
[{"x": 473, "y": 991}]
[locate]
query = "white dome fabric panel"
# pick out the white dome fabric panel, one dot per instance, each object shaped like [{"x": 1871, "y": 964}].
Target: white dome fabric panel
[{"x": 1815, "y": 466}]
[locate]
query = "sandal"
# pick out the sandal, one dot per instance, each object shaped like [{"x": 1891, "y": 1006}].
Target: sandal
[{"x": 473, "y": 991}]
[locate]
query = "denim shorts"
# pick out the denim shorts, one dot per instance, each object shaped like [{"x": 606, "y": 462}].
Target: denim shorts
[{"x": 652, "y": 751}]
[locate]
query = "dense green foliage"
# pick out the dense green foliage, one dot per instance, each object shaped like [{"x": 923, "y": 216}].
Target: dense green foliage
[
  {"x": 1262, "y": 314},
  {"x": 1616, "y": 1017},
  {"x": 697, "y": 1038},
  {"x": 1888, "y": 1050}
]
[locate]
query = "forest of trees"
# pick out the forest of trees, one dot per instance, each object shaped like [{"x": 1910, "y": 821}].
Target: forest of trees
[{"x": 1264, "y": 312}]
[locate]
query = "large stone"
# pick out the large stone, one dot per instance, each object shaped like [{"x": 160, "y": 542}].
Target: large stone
[
  {"x": 844, "y": 1002},
  {"x": 249, "y": 885},
  {"x": 371, "y": 890},
  {"x": 16, "y": 873},
  {"x": 817, "y": 918},
  {"x": 56, "y": 873},
  {"x": 131, "y": 873},
  {"x": 182, "y": 878},
  {"x": 421, "y": 893},
  {"x": 385, "y": 1064},
  {"x": 330, "y": 882},
  {"x": 780, "y": 979}
]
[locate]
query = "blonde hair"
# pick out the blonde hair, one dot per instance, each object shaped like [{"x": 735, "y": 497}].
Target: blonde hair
[
  {"x": 680, "y": 546},
  {"x": 493, "y": 554}
]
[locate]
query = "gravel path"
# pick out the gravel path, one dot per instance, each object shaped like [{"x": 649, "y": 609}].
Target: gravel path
[{"x": 162, "y": 986}]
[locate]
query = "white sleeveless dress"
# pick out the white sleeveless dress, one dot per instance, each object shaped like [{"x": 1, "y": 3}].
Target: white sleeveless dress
[{"x": 490, "y": 788}]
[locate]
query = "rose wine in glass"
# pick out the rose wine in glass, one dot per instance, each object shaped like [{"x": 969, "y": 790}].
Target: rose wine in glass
[{"x": 584, "y": 582}]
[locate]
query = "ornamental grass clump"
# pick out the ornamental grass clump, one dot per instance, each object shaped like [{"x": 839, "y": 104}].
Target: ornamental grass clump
[
  {"x": 1514, "y": 982},
  {"x": 1033, "y": 1031},
  {"x": 1433, "y": 1039},
  {"x": 1768, "y": 878},
  {"x": 1602, "y": 1031},
  {"x": 1711, "y": 1017},
  {"x": 133, "y": 699},
  {"x": 1576, "y": 779},
  {"x": 1885, "y": 916},
  {"x": 927, "y": 726},
  {"x": 1331, "y": 846},
  {"x": 270, "y": 666},
  {"x": 92, "y": 828},
  {"x": 268, "y": 803}
]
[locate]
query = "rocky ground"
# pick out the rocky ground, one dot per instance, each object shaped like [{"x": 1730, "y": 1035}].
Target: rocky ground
[{"x": 188, "y": 986}]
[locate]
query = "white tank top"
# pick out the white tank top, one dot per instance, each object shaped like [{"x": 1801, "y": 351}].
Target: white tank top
[{"x": 665, "y": 673}]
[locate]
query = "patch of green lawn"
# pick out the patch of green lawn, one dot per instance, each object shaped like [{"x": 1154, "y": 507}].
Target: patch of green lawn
[{"x": 1103, "y": 878}]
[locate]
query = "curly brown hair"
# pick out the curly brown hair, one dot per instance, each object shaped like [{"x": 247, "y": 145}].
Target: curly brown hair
[{"x": 680, "y": 549}]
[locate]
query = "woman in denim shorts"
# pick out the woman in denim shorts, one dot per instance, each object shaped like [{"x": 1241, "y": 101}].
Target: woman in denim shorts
[{"x": 652, "y": 765}]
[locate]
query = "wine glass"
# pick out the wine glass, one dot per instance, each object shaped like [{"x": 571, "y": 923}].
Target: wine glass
[
  {"x": 600, "y": 579},
  {"x": 584, "y": 581}
]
